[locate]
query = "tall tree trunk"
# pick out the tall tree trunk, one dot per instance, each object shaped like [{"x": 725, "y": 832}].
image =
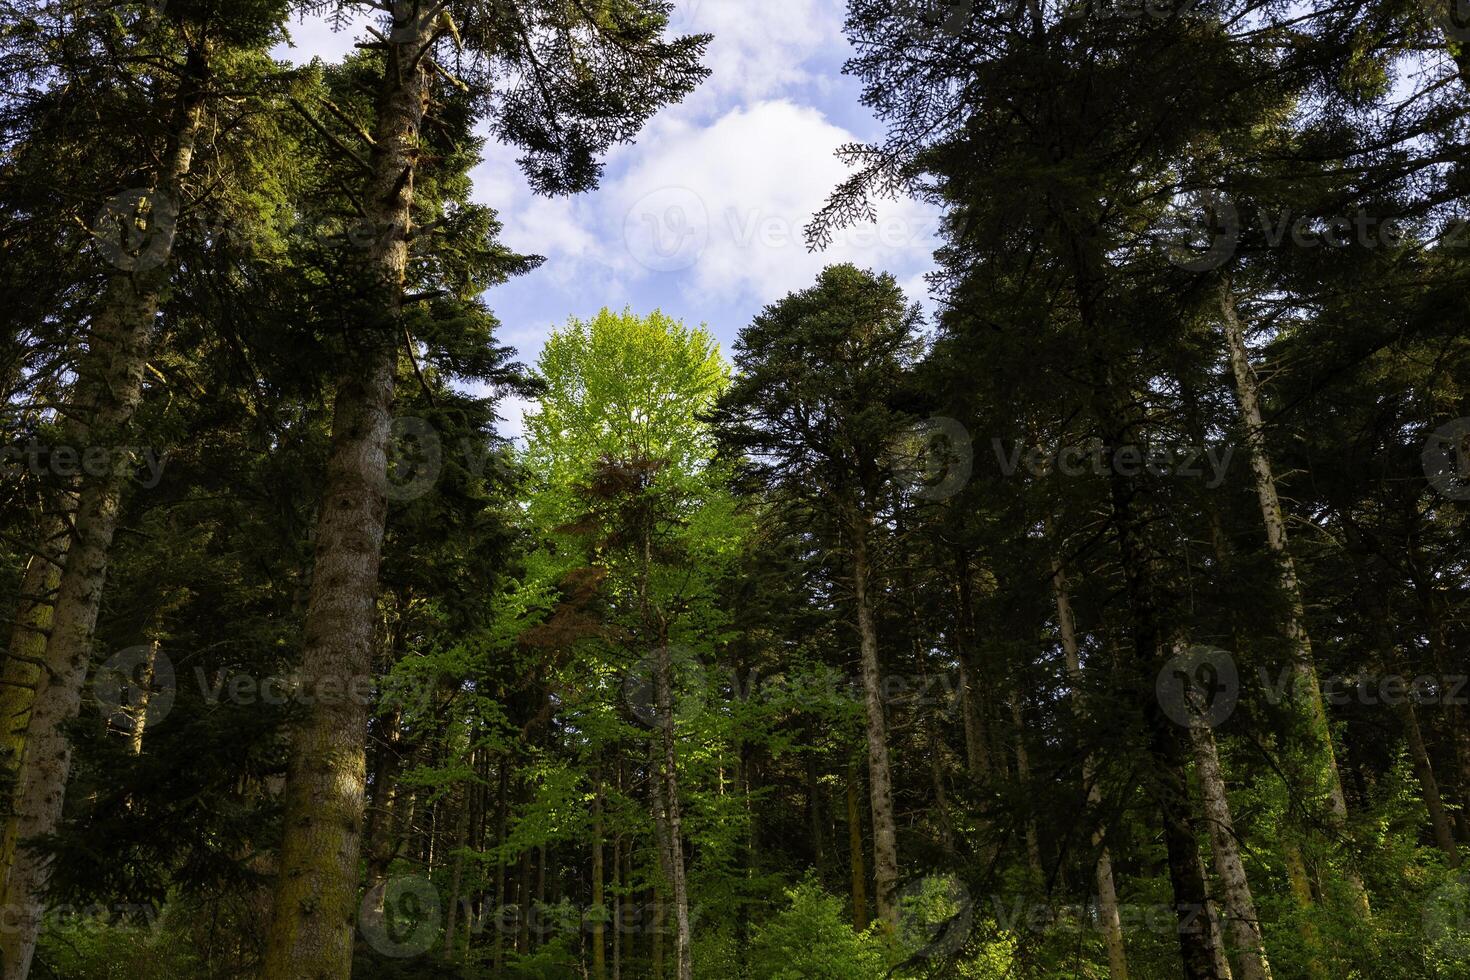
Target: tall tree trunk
[
  {"x": 1444, "y": 835},
  {"x": 599, "y": 898},
  {"x": 1107, "y": 890},
  {"x": 1023, "y": 778},
  {"x": 619, "y": 882},
  {"x": 312, "y": 924},
  {"x": 1381, "y": 615},
  {"x": 683, "y": 946},
  {"x": 110, "y": 386},
  {"x": 972, "y": 707},
  {"x": 814, "y": 812},
  {"x": 138, "y": 716},
  {"x": 1168, "y": 743},
  {"x": 524, "y": 900},
  {"x": 1212, "y": 924},
  {"x": 880, "y": 780},
  {"x": 855, "y": 852},
  {"x": 502, "y": 826},
  {"x": 1436, "y": 618},
  {"x": 456, "y": 880},
  {"x": 1306, "y": 689},
  {"x": 1242, "y": 923}
]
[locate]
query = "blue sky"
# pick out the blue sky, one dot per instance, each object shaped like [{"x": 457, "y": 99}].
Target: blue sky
[{"x": 702, "y": 217}]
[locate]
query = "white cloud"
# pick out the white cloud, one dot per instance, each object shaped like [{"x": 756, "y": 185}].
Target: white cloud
[
  {"x": 760, "y": 47},
  {"x": 725, "y": 206}
]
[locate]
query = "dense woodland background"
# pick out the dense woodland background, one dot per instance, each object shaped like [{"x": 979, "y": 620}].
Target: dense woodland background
[{"x": 1110, "y": 622}]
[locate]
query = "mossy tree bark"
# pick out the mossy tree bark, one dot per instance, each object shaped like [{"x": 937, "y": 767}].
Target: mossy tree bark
[
  {"x": 316, "y": 889},
  {"x": 109, "y": 387}
]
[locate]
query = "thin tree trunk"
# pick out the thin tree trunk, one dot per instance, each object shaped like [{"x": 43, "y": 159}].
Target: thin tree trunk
[
  {"x": 1212, "y": 924},
  {"x": 855, "y": 852},
  {"x": 1107, "y": 891},
  {"x": 312, "y": 923},
  {"x": 502, "y": 821},
  {"x": 1306, "y": 689},
  {"x": 456, "y": 880},
  {"x": 538, "y": 933},
  {"x": 110, "y": 386},
  {"x": 619, "y": 883},
  {"x": 683, "y": 948},
  {"x": 1444, "y": 834},
  {"x": 139, "y": 713},
  {"x": 880, "y": 780},
  {"x": 1023, "y": 777},
  {"x": 524, "y": 900},
  {"x": 972, "y": 708},
  {"x": 599, "y": 898},
  {"x": 1168, "y": 743},
  {"x": 1381, "y": 615},
  {"x": 814, "y": 812},
  {"x": 1242, "y": 923},
  {"x": 1431, "y": 602}
]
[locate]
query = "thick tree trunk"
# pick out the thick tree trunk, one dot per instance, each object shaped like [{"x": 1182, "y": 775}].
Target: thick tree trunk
[
  {"x": 316, "y": 891},
  {"x": 855, "y": 852},
  {"x": 110, "y": 386},
  {"x": 1306, "y": 689},
  {"x": 880, "y": 780},
  {"x": 1107, "y": 891},
  {"x": 26, "y": 652}
]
